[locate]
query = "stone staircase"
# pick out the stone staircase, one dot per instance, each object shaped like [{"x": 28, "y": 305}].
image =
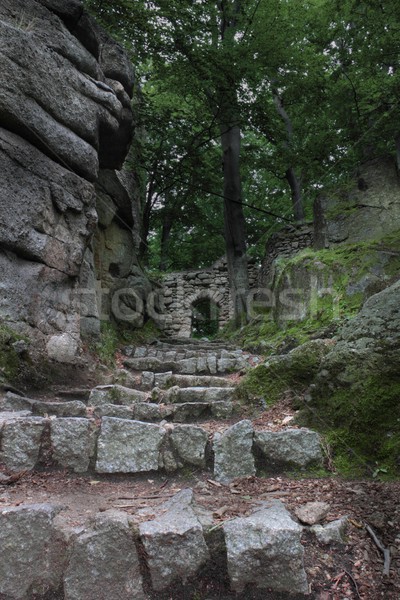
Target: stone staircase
[{"x": 176, "y": 411}]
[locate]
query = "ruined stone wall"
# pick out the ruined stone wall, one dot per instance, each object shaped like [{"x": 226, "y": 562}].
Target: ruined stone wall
[
  {"x": 284, "y": 244},
  {"x": 180, "y": 290}
]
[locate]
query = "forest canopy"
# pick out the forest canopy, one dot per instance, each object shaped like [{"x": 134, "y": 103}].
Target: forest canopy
[{"x": 248, "y": 109}]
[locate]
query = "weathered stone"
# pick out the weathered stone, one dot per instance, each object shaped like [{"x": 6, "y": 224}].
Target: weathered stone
[
  {"x": 333, "y": 532},
  {"x": 147, "y": 411},
  {"x": 20, "y": 442},
  {"x": 14, "y": 402},
  {"x": 188, "y": 411},
  {"x": 103, "y": 562},
  {"x": 115, "y": 394},
  {"x": 221, "y": 409},
  {"x": 32, "y": 553},
  {"x": 189, "y": 443},
  {"x": 148, "y": 380},
  {"x": 226, "y": 365},
  {"x": 199, "y": 394},
  {"x": 264, "y": 550},
  {"x": 74, "y": 408},
  {"x": 174, "y": 542},
  {"x": 111, "y": 410},
  {"x": 188, "y": 365},
  {"x": 233, "y": 452},
  {"x": 289, "y": 448},
  {"x": 72, "y": 442},
  {"x": 128, "y": 446},
  {"x": 312, "y": 512}
]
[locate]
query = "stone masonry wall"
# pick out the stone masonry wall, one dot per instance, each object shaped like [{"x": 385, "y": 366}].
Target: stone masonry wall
[{"x": 180, "y": 290}]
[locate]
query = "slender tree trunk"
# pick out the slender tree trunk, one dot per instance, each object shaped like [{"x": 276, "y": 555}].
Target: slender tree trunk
[
  {"x": 295, "y": 190},
  {"x": 290, "y": 174},
  {"x": 165, "y": 237}
]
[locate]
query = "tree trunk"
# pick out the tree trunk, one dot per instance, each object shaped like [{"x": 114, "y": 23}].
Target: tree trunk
[
  {"x": 295, "y": 190},
  {"x": 165, "y": 236},
  {"x": 290, "y": 174},
  {"x": 234, "y": 223},
  {"x": 229, "y": 123}
]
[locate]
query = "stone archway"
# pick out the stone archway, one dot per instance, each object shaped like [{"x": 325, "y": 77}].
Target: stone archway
[{"x": 204, "y": 312}]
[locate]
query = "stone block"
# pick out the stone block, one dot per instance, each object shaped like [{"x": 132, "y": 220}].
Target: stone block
[
  {"x": 128, "y": 446},
  {"x": 20, "y": 442},
  {"x": 72, "y": 441},
  {"x": 290, "y": 448},
  {"x": 233, "y": 452},
  {"x": 264, "y": 550}
]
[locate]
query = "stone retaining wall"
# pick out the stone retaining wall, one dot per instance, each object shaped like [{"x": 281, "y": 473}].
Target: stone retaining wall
[{"x": 123, "y": 445}]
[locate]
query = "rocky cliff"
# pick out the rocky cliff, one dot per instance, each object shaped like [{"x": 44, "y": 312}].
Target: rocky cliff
[{"x": 65, "y": 126}]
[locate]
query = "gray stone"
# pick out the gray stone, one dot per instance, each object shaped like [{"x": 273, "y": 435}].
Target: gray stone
[
  {"x": 147, "y": 411},
  {"x": 199, "y": 394},
  {"x": 12, "y": 402},
  {"x": 32, "y": 553},
  {"x": 264, "y": 550},
  {"x": 110, "y": 410},
  {"x": 226, "y": 365},
  {"x": 189, "y": 442},
  {"x": 148, "y": 380},
  {"x": 188, "y": 411},
  {"x": 128, "y": 446},
  {"x": 115, "y": 394},
  {"x": 289, "y": 448},
  {"x": 174, "y": 542},
  {"x": 162, "y": 379},
  {"x": 233, "y": 452},
  {"x": 72, "y": 442},
  {"x": 312, "y": 512},
  {"x": 187, "y": 365},
  {"x": 103, "y": 562},
  {"x": 221, "y": 409},
  {"x": 74, "y": 408},
  {"x": 334, "y": 532},
  {"x": 20, "y": 442}
]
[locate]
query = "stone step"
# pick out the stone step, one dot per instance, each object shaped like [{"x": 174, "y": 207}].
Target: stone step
[
  {"x": 187, "y": 412},
  {"x": 182, "y": 544},
  {"x": 207, "y": 365},
  {"x": 177, "y": 394},
  {"x": 121, "y": 445},
  {"x": 150, "y": 380}
]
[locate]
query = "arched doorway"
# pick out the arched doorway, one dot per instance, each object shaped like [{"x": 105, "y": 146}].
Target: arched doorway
[{"x": 204, "y": 318}]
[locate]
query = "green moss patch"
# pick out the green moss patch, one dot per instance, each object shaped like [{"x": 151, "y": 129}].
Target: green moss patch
[{"x": 9, "y": 358}]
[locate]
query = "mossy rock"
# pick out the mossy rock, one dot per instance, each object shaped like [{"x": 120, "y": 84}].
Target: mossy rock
[
  {"x": 295, "y": 370},
  {"x": 9, "y": 358}
]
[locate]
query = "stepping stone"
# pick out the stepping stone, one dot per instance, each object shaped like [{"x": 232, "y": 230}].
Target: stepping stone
[
  {"x": 233, "y": 452},
  {"x": 174, "y": 542},
  {"x": 73, "y": 408},
  {"x": 264, "y": 550},
  {"x": 199, "y": 394},
  {"x": 150, "y": 363},
  {"x": 111, "y": 410},
  {"x": 290, "y": 448},
  {"x": 115, "y": 394}
]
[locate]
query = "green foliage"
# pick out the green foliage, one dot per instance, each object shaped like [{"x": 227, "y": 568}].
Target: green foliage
[
  {"x": 9, "y": 359},
  {"x": 108, "y": 343}
]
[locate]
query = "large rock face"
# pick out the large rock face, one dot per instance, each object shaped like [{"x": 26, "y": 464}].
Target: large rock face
[{"x": 65, "y": 120}]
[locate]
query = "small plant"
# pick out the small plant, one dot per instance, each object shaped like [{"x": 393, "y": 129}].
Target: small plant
[
  {"x": 107, "y": 346},
  {"x": 24, "y": 23}
]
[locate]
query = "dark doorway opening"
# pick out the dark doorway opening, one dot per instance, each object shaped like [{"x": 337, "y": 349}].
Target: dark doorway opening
[{"x": 205, "y": 318}]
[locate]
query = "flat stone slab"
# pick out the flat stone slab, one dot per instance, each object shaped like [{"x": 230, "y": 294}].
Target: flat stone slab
[
  {"x": 264, "y": 550},
  {"x": 290, "y": 448},
  {"x": 103, "y": 562},
  {"x": 174, "y": 542},
  {"x": 128, "y": 446},
  {"x": 32, "y": 553},
  {"x": 199, "y": 394},
  {"x": 233, "y": 452},
  {"x": 115, "y": 394},
  {"x": 74, "y": 408}
]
